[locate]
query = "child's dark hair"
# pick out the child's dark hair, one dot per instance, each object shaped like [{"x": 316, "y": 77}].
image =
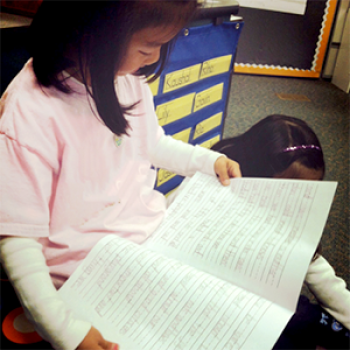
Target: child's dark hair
[
  {"x": 99, "y": 31},
  {"x": 276, "y": 146}
]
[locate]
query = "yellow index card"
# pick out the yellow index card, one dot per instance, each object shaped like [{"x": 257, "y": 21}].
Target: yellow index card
[
  {"x": 178, "y": 79},
  {"x": 216, "y": 66},
  {"x": 208, "y": 97},
  {"x": 207, "y": 125},
  {"x": 175, "y": 109},
  {"x": 154, "y": 86},
  {"x": 183, "y": 135},
  {"x": 164, "y": 176},
  {"x": 211, "y": 142}
]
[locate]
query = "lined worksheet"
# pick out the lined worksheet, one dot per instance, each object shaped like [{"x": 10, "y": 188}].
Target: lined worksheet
[
  {"x": 141, "y": 299},
  {"x": 223, "y": 271},
  {"x": 258, "y": 233}
]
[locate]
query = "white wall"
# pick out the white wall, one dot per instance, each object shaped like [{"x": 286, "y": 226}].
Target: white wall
[{"x": 341, "y": 74}]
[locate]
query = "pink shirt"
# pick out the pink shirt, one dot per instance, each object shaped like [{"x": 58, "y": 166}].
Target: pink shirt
[{"x": 67, "y": 180}]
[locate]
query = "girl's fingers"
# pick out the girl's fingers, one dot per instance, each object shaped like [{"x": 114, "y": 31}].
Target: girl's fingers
[
  {"x": 226, "y": 168},
  {"x": 234, "y": 169}
]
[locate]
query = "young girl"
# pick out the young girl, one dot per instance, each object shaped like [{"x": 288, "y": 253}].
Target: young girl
[
  {"x": 285, "y": 147},
  {"x": 78, "y": 138},
  {"x": 277, "y": 146}
]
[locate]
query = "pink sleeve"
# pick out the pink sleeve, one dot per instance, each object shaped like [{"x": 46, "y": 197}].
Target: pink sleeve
[
  {"x": 155, "y": 130},
  {"x": 25, "y": 190}
]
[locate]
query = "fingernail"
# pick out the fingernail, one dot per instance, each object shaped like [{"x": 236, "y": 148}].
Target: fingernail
[
  {"x": 115, "y": 347},
  {"x": 226, "y": 182}
]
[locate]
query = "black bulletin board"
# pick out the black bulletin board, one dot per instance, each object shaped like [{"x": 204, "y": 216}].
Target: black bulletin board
[{"x": 276, "y": 43}]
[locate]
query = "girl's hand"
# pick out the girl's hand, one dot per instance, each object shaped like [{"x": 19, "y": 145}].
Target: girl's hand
[
  {"x": 95, "y": 341},
  {"x": 226, "y": 168}
]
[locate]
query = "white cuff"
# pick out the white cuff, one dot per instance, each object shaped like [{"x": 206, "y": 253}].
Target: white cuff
[
  {"x": 329, "y": 290},
  {"x": 26, "y": 268}
]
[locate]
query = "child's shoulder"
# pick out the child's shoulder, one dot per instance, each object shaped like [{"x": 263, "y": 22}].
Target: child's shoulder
[
  {"x": 31, "y": 113},
  {"x": 24, "y": 94},
  {"x": 25, "y": 97}
]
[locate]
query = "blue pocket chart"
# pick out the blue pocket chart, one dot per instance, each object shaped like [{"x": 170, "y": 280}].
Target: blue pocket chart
[{"x": 191, "y": 94}]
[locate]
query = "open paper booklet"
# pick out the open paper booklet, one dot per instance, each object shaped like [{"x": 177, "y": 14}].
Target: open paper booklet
[{"x": 223, "y": 271}]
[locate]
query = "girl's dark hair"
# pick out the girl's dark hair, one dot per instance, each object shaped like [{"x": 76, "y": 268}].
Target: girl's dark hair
[
  {"x": 260, "y": 150},
  {"x": 99, "y": 31}
]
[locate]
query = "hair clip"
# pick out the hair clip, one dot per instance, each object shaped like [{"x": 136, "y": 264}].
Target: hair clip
[{"x": 295, "y": 148}]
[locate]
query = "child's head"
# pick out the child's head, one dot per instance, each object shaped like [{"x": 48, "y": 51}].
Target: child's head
[
  {"x": 277, "y": 146},
  {"x": 102, "y": 39}
]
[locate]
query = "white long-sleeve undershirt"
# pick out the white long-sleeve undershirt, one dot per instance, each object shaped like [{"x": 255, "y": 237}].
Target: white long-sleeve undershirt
[
  {"x": 329, "y": 290},
  {"x": 183, "y": 158},
  {"x": 26, "y": 268}
]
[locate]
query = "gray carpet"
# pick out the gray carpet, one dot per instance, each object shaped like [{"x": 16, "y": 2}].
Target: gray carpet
[{"x": 326, "y": 109}]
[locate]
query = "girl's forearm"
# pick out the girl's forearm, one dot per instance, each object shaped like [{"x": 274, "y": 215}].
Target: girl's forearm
[
  {"x": 26, "y": 268},
  {"x": 183, "y": 158}
]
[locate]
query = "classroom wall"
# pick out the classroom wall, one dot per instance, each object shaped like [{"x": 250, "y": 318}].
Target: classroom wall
[
  {"x": 335, "y": 38},
  {"x": 341, "y": 74}
]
